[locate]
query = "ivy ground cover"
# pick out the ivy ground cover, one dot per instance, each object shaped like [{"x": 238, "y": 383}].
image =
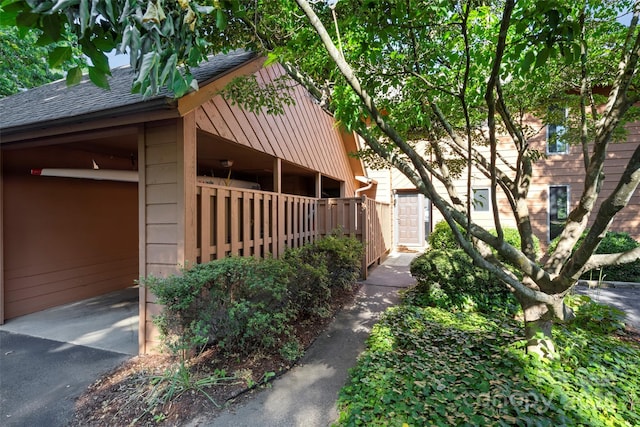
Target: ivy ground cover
[{"x": 430, "y": 367}]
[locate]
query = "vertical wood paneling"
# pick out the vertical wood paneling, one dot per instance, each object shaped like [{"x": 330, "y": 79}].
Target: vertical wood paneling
[
  {"x": 304, "y": 135},
  {"x": 300, "y": 147}
]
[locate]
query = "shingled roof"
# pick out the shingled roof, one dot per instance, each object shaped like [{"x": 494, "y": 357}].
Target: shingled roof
[{"x": 57, "y": 104}]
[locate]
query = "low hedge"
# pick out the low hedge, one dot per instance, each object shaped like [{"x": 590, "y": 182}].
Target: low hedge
[
  {"x": 246, "y": 305},
  {"x": 448, "y": 279},
  {"x": 442, "y": 237}
]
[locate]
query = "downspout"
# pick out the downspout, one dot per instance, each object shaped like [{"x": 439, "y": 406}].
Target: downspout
[{"x": 366, "y": 180}]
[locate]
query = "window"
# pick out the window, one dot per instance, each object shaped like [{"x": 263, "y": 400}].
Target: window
[
  {"x": 481, "y": 200},
  {"x": 558, "y": 209},
  {"x": 556, "y": 129}
]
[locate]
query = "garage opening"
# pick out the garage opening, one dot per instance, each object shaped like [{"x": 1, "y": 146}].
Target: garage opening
[{"x": 67, "y": 240}]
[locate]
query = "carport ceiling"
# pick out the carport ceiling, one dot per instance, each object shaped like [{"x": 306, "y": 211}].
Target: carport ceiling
[{"x": 212, "y": 149}]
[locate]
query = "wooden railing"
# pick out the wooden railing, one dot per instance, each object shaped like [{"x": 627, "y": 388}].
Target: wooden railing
[
  {"x": 364, "y": 218},
  {"x": 258, "y": 223}
]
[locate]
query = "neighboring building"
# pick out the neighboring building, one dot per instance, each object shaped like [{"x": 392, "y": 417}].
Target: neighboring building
[
  {"x": 176, "y": 185},
  {"x": 556, "y": 187}
]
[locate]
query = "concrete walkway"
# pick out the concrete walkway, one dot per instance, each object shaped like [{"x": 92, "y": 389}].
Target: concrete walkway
[{"x": 307, "y": 394}]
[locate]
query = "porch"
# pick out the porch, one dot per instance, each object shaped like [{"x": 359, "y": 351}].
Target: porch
[{"x": 236, "y": 221}]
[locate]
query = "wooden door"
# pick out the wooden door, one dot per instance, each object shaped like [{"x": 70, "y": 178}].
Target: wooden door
[{"x": 409, "y": 219}]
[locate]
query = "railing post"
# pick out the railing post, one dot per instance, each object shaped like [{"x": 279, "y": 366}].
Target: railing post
[{"x": 364, "y": 222}]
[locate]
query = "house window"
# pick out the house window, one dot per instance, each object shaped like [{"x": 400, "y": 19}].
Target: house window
[
  {"x": 556, "y": 131},
  {"x": 558, "y": 209},
  {"x": 481, "y": 199}
]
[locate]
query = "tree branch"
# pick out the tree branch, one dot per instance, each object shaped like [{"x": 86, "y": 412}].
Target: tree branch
[{"x": 603, "y": 260}]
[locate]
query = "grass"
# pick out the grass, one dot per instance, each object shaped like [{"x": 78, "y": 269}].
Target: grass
[{"x": 425, "y": 366}]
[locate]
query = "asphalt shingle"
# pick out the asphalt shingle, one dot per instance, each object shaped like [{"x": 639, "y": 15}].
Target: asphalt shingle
[{"x": 55, "y": 101}]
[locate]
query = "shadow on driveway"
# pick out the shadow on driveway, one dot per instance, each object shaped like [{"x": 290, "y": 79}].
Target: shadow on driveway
[{"x": 40, "y": 379}]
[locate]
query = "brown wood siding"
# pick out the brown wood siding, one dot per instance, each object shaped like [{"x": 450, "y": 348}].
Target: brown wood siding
[
  {"x": 167, "y": 158},
  {"x": 568, "y": 169},
  {"x": 65, "y": 239},
  {"x": 304, "y": 135}
]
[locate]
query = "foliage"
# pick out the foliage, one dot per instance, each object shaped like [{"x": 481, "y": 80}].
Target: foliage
[
  {"x": 449, "y": 280},
  {"x": 343, "y": 255},
  {"x": 309, "y": 286},
  {"x": 442, "y": 237},
  {"x": 512, "y": 237},
  {"x": 428, "y": 366},
  {"x": 595, "y": 317},
  {"x": 613, "y": 242},
  {"x": 23, "y": 62},
  {"x": 176, "y": 381},
  {"x": 249, "y": 305},
  {"x": 161, "y": 38},
  {"x": 238, "y": 303}
]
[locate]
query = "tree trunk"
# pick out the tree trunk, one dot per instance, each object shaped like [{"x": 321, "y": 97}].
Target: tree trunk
[{"x": 538, "y": 323}]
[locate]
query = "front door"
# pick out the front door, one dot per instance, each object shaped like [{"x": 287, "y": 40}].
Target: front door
[{"x": 409, "y": 219}]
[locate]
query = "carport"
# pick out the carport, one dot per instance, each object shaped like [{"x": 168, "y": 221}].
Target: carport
[{"x": 106, "y": 322}]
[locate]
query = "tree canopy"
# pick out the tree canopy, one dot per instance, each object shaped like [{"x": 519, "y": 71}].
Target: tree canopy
[{"x": 455, "y": 74}]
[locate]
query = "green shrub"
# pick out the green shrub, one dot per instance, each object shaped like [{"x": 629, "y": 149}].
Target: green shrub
[
  {"x": 246, "y": 305},
  {"x": 309, "y": 287},
  {"x": 442, "y": 237},
  {"x": 613, "y": 242},
  {"x": 344, "y": 259},
  {"x": 448, "y": 279},
  {"x": 241, "y": 304},
  {"x": 512, "y": 237}
]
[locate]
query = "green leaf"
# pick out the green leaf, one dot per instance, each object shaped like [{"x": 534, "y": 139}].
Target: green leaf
[
  {"x": 149, "y": 62},
  {"x": 529, "y": 57},
  {"x": 74, "y": 76},
  {"x": 63, "y": 4},
  {"x": 542, "y": 57},
  {"x": 221, "y": 20},
  {"x": 26, "y": 19},
  {"x": 59, "y": 55},
  {"x": 52, "y": 26},
  {"x": 109, "y": 9},
  {"x": 98, "y": 77},
  {"x": 272, "y": 58},
  {"x": 169, "y": 68},
  {"x": 85, "y": 15}
]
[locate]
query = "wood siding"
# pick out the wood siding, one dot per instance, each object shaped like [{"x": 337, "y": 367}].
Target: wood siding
[
  {"x": 304, "y": 135},
  {"x": 168, "y": 209},
  {"x": 568, "y": 169},
  {"x": 68, "y": 239},
  {"x": 555, "y": 169}
]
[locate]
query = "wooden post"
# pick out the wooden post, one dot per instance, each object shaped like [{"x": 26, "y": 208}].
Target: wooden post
[
  {"x": 187, "y": 201},
  {"x": 167, "y": 201},
  {"x": 142, "y": 241},
  {"x": 318, "y": 185},
  {"x": 277, "y": 188}
]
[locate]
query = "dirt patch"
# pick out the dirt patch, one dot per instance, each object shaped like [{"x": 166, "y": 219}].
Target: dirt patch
[{"x": 136, "y": 393}]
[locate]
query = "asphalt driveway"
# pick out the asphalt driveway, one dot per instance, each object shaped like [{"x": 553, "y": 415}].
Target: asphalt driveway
[
  {"x": 40, "y": 379},
  {"x": 625, "y": 298}
]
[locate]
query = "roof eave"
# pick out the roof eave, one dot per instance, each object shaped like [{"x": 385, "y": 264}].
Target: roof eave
[{"x": 159, "y": 108}]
